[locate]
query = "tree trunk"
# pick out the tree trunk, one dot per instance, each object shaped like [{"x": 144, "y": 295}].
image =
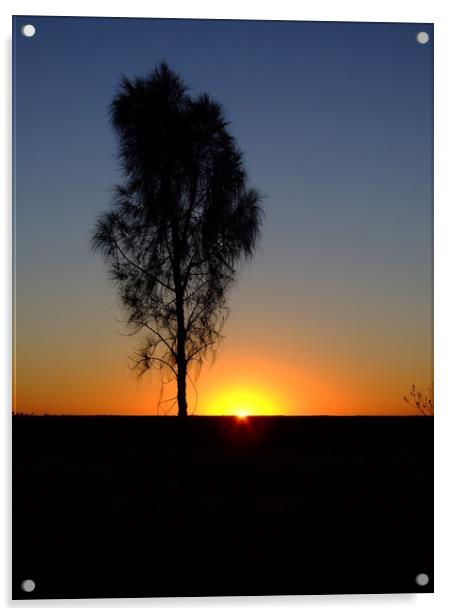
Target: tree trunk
[
  {"x": 181, "y": 360},
  {"x": 182, "y": 388}
]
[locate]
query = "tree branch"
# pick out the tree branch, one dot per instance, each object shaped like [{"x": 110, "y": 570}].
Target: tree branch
[
  {"x": 201, "y": 348},
  {"x": 142, "y": 270},
  {"x": 162, "y": 339}
]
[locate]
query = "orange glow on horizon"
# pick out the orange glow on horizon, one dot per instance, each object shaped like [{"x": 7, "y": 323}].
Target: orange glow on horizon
[
  {"x": 239, "y": 383},
  {"x": 243, "y": 401}
]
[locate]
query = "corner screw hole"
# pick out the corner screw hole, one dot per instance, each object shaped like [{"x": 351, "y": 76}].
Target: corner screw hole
[
  {"x": 422, "y": 579},
  {"x": 28, "y": 585},
  {"x": 28, "y": 30},
  {"x": 422, "y": 38}
]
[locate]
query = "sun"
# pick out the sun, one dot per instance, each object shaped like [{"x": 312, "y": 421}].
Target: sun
[{"x": 243, "y": 401}]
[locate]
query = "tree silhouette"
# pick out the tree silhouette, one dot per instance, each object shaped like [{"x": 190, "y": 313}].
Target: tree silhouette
[
  {"x": 422, "y": 403},
  {"x": 180, "y": 224}
]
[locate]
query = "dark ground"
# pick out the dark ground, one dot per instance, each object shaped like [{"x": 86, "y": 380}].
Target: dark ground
[{"x": 129, "y": 507}]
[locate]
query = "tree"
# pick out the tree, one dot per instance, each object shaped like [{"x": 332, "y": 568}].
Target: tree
[
  {"x": 181, "y": 223},
  {"x": 422, "y": 403}
]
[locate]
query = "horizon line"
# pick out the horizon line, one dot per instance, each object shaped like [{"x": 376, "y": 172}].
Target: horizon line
[{"x": 373, "y": 414}]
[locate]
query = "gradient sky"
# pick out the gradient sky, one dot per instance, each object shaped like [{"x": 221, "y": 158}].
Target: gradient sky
[{"x": 334, "y": 314}]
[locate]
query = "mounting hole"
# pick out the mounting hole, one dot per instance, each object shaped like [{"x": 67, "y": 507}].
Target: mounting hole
[
  {"x": 28, "y": 585},
  {"x": 28, "y": 30},
  {"x": 422, "y": 38},
  {"x": 422, "y": 579}
]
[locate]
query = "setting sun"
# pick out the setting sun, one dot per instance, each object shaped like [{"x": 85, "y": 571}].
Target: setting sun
[
  {"x": 243, "y": 402},
  {"x": 242, "y": 414}
]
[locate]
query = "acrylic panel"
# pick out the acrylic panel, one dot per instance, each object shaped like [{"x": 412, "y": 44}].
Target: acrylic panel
[{"x": 223, "y": 372}]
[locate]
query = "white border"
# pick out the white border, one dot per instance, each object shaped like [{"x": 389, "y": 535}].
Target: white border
[{"x": 436, "y": 11}]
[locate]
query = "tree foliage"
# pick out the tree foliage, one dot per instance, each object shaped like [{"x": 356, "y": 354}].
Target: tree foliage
[
  {"x": 422, "y": 403},
  {"x": 180, "y": 223}
]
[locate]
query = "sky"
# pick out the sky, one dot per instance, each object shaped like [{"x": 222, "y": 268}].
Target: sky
[{"x": 334, "y": 313}]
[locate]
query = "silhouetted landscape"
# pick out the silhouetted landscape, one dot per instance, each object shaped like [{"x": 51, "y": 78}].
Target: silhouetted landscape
[{"x": 155, "y": 506}]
